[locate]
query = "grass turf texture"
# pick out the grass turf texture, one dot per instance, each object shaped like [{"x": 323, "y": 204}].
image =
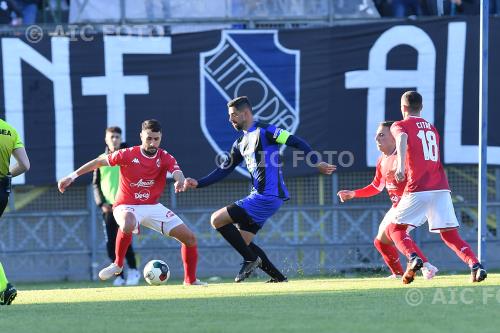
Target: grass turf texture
[{"x": 448, "y": 304}]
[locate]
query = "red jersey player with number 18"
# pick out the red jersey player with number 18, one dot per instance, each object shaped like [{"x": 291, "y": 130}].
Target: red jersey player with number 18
[
  {"x": 384, "y": 178},
  {"x": 143, "y": 173},
  {"x": 427, "y": 193}
]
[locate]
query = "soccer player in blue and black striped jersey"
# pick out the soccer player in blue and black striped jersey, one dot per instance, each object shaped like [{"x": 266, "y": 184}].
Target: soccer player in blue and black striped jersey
[{"x": 259, "y": 147}]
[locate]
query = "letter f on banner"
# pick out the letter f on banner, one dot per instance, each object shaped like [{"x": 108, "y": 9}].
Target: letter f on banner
[
  {"x": 114, "y": 84},
  {"x": 377, "y": 78}
]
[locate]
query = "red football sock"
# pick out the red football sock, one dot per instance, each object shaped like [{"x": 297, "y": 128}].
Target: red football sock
[
  {"x": 190, "y": 260},
  {"x": 453, "y": 240},
  {"x": 398, "y": 234},
  {"x": 123, "y": 241},
  {"x": 390, "y": 255}
]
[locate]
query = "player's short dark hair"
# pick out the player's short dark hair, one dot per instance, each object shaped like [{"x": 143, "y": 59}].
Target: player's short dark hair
[
  {"x": 413, "y": 100},
  {"x": 387, "y": 123},
  {"x": 151, "y": 124},
  {"x": 114, "y": 129},
  {"x": 240, "y": 103}
]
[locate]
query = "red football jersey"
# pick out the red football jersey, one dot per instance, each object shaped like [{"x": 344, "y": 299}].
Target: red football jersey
[
  {"x": 142, "y": 178},
  {"x": 424, "y": 171},
  {"x": 384, "y": 177}
]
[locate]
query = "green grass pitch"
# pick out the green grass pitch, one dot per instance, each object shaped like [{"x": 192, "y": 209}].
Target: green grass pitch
[{"x": 445, "y": 304}]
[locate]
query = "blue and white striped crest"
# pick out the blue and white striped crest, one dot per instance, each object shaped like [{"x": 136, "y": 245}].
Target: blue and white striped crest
[{"x": 254, "y": 64}]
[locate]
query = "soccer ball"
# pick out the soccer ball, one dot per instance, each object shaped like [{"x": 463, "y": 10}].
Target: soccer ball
[{"x": 156, "y": 272}]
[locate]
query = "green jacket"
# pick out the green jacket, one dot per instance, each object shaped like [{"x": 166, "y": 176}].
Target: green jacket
[{"x": 106, "y": 182}]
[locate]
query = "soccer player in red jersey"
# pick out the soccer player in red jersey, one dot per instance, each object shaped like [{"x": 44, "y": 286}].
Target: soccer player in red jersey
[
  {"x": 384, "y": 178},
  {"x": 427, "y": 193},
  {"x": 143, "y": 173}
]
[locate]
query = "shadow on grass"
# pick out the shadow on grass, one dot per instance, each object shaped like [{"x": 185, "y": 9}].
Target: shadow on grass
[{"x": 374, "y": 310}]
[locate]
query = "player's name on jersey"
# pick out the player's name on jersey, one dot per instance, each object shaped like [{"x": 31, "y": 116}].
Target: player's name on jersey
[{"x": 423, "y": 125}]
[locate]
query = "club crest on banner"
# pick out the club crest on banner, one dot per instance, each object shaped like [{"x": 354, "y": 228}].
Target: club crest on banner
[{"x": 254, "y": 64}]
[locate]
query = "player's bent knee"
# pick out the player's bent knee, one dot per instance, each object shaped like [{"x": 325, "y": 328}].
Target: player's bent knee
[
  {"x": 215, "y": 220},
  {"x": 127, "y": 222},
  {"x": 190, "y": 240},
  {"x": 127, "y": 228},
  {"x": 382, "y": 237},
  {"x": 220, "y": 218}
]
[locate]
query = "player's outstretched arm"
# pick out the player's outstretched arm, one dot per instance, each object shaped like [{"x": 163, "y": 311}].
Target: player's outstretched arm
[
  {"x": 231, "y": 162},
  {"x": 300, "y": 144},
  {"x": 365, "y": 192},
  {"x": 215, "y": 176},
  {"x": 345, "y": 195},
  {"x": 65, "y": 182},
  {"x": 325, "y": 168}
]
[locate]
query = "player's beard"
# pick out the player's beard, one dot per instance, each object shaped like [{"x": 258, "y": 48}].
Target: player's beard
[
  {"x": 150, "y": 151},
  {"x": 237, "y": 126}
]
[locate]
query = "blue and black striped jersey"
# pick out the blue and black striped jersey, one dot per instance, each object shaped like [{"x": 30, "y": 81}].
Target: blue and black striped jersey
[{"x": 259, "y": 148}]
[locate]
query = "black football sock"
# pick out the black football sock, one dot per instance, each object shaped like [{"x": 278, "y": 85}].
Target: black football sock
[
  {"x": 267, "y": 266},
  {"x": 233, "y": 237},
  {"x": 130, "y": 256}
]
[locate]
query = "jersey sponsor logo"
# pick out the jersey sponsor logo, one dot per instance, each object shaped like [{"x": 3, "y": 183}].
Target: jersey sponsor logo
[
  {"x": 136, "y": 161},
  {"x": 143, "y": 183},
  {"x": 254, "y": 64},
  {"x": 5, "y": 132},
  {"x": 395, "y": 198},
  {"x": 142, "y": 195}
]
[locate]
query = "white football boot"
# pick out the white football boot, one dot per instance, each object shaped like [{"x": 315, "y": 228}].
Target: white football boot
[
  {"x": 197, "y": 282},
  {"x": 110, "y": 271},
  {"x": 133, "y": 277},
  {"x": 429, "y": 271},
  {"x": 119, "y": 281}
]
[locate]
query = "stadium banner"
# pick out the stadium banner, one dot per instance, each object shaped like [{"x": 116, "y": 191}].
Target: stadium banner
[{"x": 331, "y": 86}]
